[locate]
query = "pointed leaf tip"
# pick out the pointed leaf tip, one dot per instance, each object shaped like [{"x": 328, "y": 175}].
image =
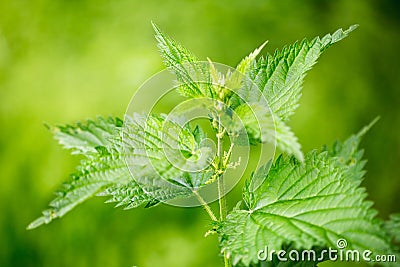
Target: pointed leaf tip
[
  {"x": 352, "y": 27},
  {"x": 365, "y": 129},
  {"x": 47, "y": 125},
  {"x": 36, "y": 223},
  {"x": 155, "y": 27}
]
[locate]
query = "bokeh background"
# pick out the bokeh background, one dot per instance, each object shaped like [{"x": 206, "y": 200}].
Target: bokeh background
[{"x": 64, "y": 61}]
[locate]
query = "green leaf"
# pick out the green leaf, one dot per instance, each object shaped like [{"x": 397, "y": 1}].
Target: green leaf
[
  {"x": 235, "y": 79},
  {"x": 280, "y": 76},
  {"x": 160, "y": 154},
  {"x": 130, "y": 195},
  {"x": 158, "y": 146},
  {"x": 153, "y": 147},
  {"x": 392, "y": 227},
  {"x": 91, "y": 177},
  {"x": 94, "y": 139},
  {"x": 347, "y": 150},
  {"x": 190, "y": 73},
  {"x": 348, "y": 154},
  {"x": 83, "y": 138},
  {"x": 245, "y": 64},
  {"x": 172, "y": 52},
  {"x": 262, "y": 126},
  {"x": 311, "y": 204}
]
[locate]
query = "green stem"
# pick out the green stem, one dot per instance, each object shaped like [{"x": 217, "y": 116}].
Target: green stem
[
  {"x": 222, "y": 200},
  {"x": 205, "y": 206},
  {"x": 227, "y": 261},
  {"x": 221, "y": 184}
]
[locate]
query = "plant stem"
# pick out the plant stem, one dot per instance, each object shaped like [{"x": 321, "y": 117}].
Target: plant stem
[
  {"x": 227, "y": 261},
  {"x": 221, "y": 184},
  {"x": 205, "y": 206},
  {"x": 222, "y": 200}
]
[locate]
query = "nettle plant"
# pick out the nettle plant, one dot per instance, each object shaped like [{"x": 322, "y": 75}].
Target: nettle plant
[{"x": 292, "y": 202}]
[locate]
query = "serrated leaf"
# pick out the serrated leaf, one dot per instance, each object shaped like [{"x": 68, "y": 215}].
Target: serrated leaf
[
  {"x": 130, "y": 195},
  {"x": 347, "y": 150},
  {"x": 157, "y": 146},
  {"x": 311, "y": 204},
  {"x": 92, "y": 177},
  {"x": 152, "y": 147},
  {"x": 94, "y": 139},
  {"x": 172, "y": 52},
  {"x": 235, "y": 79},
  {"x": 392, "y": 227},
  {"x": 160, "y": 154},
  {"x": 245, "y": 63},
  {"x": 197, "y": 79},
  {"x": 280, "y": 76},
  {"x": 193, "y": 77},
  {"x": 262, "y": 126},
  {"x": 85, "y": 138}
]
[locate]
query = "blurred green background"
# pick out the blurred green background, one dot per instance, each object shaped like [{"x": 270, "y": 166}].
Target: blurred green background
[{"x": 64, "y": 61}]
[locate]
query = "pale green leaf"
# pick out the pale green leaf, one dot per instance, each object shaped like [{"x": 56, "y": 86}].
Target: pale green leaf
[
  {"x": 160, "y": 146},
  {"x": 92, "y": 177},
  {"x": 130, "y": 195},
  {"x": 245, "y": 63},
  {"x": 86, "y": 137},
  {"x": 194, "y": 78},
  {"x": 94, "y": 139},
  {"x": 235, "y": 79},
  {"x": 262, "y": 126},
  {"x": 164, "y": 158},
  {"x": 157, "y": 151}
]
